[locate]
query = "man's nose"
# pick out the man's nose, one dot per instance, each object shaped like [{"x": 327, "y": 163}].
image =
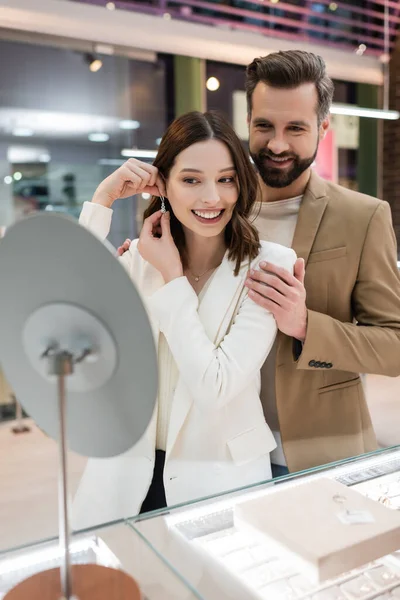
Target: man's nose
[{"x": 278, "y": 145}]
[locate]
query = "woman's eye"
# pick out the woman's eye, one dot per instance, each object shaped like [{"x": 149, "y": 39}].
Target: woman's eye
[
  {"x": 190, "y": 180},
  {"x": 227, "y": 180}
]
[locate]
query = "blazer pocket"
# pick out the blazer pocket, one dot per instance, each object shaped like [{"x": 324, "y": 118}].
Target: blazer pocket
[
  {"x": 327, "y": 254},
  {"x": 340, "y": 386},
  {"x": 251, "y": 444}
]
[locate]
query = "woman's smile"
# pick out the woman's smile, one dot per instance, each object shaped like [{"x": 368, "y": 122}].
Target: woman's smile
[{"x": 208, "y": 216}]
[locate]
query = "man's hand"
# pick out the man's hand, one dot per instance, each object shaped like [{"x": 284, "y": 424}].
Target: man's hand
[
  {"x": 283, "y": 294},
  {"x": 124, "y": 248}
]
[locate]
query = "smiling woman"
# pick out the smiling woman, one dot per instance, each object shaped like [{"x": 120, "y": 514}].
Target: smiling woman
[
  {"x": 208, "y": 433},
  {"x": 206, "y": 169}
]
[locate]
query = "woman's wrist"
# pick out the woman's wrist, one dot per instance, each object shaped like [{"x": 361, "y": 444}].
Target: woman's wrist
[
  {"x": 102, "y": 199},
  {"x": 173, "y": 274}
]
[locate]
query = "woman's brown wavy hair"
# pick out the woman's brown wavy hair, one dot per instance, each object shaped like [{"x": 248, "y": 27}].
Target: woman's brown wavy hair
[{"x": 241, "y": 237}]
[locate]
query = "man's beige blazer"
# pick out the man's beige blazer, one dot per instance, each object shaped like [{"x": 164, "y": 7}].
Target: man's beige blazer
[{"x": 353, "y": 300}]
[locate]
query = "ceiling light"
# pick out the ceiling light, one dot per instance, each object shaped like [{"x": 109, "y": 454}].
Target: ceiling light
[
  {"x": 17, "y": 176},
  {"x": 94, "y": 63},
  {"x": 212, "y": 84},
  {"x": 22, "y": 132},
  {"x": 333, "y": 6},
  {"x": 110, "y": 6},
  {"x": 361, "y": 49},
  {"x": 98, "y": 137},
  {"x": 146, "y": 196},
  {"x": 8, "y": 179},
  {"x": 44, "y": 158},
  {"x": 135, "y": 153},
  {"x": 128, "y": 124},
  {"x": 167, "y": 16},
  {"x": 274, "y": 1},
  {"x": 357, "y": 111}
]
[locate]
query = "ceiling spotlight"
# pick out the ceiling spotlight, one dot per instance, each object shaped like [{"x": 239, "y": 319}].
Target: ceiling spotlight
[
  {"x": 98, "y": 137},
  {"x": 146, "y": 196},
  {"x": 361, "y": 49},
  {"x": 22, "y": 132},
  {"x": 8, "y": 179},
  {"x": 167, "y": 16},
  {"x": 333, "y": 6},
  {"x": 94, "y": 63},
  {"x": 212, "y": 84},
  {"x": 274, "y": 1},
  {"x": 110, "y": 6},
  {"x": 17, "y": 176},
  {"x": 128, "y": 124}
]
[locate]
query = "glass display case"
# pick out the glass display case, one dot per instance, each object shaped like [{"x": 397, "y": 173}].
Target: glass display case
[
  {"x": 223, "y": 561},
  {"x": 198, "y": 551}
]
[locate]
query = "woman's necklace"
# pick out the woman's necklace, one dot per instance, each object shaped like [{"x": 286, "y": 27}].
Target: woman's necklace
[{"x": 198, "y": 277}]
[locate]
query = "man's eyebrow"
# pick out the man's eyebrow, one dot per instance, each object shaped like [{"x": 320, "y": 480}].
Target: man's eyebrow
[
  {"x": 299, "y": 123},
  {"x": 262, "y": 121}
]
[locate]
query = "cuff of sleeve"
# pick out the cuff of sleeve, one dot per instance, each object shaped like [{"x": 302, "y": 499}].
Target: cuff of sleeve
[
  {"x": 315, "y": 352},
  {"x": 171, "y": 299},
  {"x": 96, "y": 218},
  {"x": 297, "y": 349}
]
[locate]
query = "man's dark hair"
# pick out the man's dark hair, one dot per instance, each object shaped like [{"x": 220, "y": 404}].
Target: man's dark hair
[{"x": 289, "y": 69}]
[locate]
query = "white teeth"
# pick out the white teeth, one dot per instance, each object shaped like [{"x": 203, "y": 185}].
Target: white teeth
[
  {"x": 207, "y": 215},
  {"x": 280, "y": 159}
]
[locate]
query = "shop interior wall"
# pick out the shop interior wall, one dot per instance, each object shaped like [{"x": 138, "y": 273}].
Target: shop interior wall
[{"x": 59, "y": 83}]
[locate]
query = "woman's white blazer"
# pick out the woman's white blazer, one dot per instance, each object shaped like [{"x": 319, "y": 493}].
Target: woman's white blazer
[{"x": 217, "y": 438}]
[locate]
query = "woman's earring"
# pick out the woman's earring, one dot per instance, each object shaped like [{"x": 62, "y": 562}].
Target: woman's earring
[{"x": 163, "y": 207}]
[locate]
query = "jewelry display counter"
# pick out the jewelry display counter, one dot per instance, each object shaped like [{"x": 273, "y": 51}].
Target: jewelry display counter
[
  {"x": 222, "y": 560},
  {"x": 199, "y": 550}
]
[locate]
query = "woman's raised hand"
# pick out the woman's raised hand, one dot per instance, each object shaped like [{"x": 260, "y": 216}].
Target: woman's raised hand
[
  {"x": 159, "y": 249},
  {"x": 133, "y": 177}
]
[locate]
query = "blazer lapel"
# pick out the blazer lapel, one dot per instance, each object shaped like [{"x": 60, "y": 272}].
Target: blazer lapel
[
  {"x": 311, "y": 212},
  {"x": 215, "y": 312},
  {"x": 220, "y": 299}
]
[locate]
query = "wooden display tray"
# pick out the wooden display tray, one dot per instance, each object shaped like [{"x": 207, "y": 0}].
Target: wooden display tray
[{"x": 90, "y": 582}]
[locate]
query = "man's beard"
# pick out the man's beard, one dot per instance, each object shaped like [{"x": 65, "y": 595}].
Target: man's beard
[{"x": 281, "y": 178}]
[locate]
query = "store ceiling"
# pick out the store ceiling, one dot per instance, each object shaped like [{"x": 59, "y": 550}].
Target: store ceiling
[{"x": 355, "y": 25}]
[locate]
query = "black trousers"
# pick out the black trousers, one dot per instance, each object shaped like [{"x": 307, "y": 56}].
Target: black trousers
[{"x": 155, "y": 498}]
